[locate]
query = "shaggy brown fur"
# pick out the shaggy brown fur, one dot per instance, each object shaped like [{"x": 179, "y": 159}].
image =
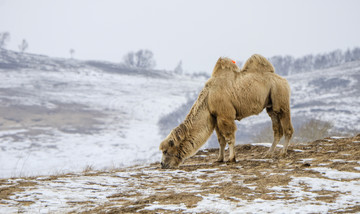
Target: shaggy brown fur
[
  {"x": 258, "y": 63},
  {"x": 231, "y": 94}
]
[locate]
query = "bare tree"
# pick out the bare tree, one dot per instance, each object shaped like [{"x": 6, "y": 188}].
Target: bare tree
[
  {"x": 23, "y": 46},
  {"x": 4, "y": 38},
  {"x": 129, "y": 59},
  {"x": 72, "y": 51},
  {"x": 178, "y": 69},
  {"x": 140, "y": 59}
]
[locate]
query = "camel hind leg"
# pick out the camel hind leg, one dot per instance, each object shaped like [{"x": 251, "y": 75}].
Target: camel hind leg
[
  {"x": 280, "y": 115},
  {"x": 277, "y": 128}
]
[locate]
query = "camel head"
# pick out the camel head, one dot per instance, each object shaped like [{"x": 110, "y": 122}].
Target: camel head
[{"x": 171, "y": 148}]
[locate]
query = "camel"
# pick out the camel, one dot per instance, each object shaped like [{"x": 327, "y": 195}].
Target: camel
[{"x": 231, "y": 94}]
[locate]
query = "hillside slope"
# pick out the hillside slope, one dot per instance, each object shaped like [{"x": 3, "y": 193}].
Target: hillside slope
[
  {"x": 317, "y": 177},
  {"x": 59, "y": 115}
]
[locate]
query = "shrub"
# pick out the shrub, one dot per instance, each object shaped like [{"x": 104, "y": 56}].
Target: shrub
[{"x": 311, "y": 130}]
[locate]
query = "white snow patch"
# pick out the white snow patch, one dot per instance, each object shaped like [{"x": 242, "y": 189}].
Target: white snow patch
[
  {"x": 337, "y": 137},
  {"x": 335, "y": 174},
  {"x": 171, "y": 207},
  {"x": 266, "y": 144},
  {"x": 262, "y": 160},
  {"x": 214, "y": 204},
  {"x": 338, "y": 161},
  {"x": 306, "y": 160}
]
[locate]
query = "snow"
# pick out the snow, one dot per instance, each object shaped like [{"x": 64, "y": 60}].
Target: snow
[
  {"x": 267, "y": 144},
  {"x": 335, "y": 174},
  {"x": 212, "y": 203},
  {"x": 182, "y": 207},
  {"x": 52, "y": 196},
  {"x": 337, "y": 137},
  {"x": 306, "y": 160},
  {"x": 128, "y": 133},
  {"x": 311, "y": 98}
]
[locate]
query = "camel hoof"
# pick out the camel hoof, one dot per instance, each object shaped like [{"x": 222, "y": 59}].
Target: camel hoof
[
  {"x": 268, "y": 155},
  {"x": 283, "y": 154},
  {"x": 231, "y": 161},
  {"x": 218, "y": 161}
]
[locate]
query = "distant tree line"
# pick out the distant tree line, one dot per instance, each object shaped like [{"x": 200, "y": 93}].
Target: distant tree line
[
  {"x": 4, "y": 39},
  {"x": 143, "y": 59},
  {"x": 286, "y": 65}
]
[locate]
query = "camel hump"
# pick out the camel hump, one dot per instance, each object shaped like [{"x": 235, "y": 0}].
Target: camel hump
[
  {"x": 225, "y": 65},
  {"x": 258, "y": 63}
]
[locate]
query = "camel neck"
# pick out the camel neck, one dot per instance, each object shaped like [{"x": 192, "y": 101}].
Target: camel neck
[{"x": 200, "y": 126}]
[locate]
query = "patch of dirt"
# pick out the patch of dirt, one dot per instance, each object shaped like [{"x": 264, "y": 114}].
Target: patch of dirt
[
  {"x": 8, "y": 189},
  {"x": 354, "y": 209}
]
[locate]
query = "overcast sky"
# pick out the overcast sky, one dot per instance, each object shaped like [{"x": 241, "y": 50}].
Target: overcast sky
[{"x": 194, "y": 31}]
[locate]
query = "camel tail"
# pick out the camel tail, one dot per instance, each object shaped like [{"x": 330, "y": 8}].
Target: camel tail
[{"x": 258, "y": 63}]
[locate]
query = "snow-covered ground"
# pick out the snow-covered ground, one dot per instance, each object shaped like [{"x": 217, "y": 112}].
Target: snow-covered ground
[
  {"x": 119, "y": 113},
  {"x": 328, "y": 95}
]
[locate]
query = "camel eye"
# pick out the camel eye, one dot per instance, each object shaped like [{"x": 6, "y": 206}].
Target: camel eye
[
  {"x": 165, "y": 152},
  {"x": 171, "y": 143}
]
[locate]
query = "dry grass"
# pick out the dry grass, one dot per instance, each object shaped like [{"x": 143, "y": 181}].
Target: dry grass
[
  {"x": 307, "y": 132},
  {"x": 249, "y": 179}
]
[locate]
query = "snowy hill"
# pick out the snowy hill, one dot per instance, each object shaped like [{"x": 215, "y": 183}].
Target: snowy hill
[{"x": 62, "y": 115}]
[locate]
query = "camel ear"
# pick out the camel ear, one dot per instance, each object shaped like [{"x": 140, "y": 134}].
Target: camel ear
[
  {"x": 180, "y": 132},
  {"x": 180, "y": 135}
]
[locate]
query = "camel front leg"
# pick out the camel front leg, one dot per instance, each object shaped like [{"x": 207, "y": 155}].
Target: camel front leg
[
  {"x": 231, "y": 143},
  {"x": 225, "y": 124},
  {"x": 221, "y": 153},
  {"x": 222, "y": 144},
  {"x": 270, "y": 152},
  {"x": 227, "y": 128},
  {"x": 286, "y": 145}
]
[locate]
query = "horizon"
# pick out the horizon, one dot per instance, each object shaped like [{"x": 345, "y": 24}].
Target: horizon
[{"x": 196, "y": 33}]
